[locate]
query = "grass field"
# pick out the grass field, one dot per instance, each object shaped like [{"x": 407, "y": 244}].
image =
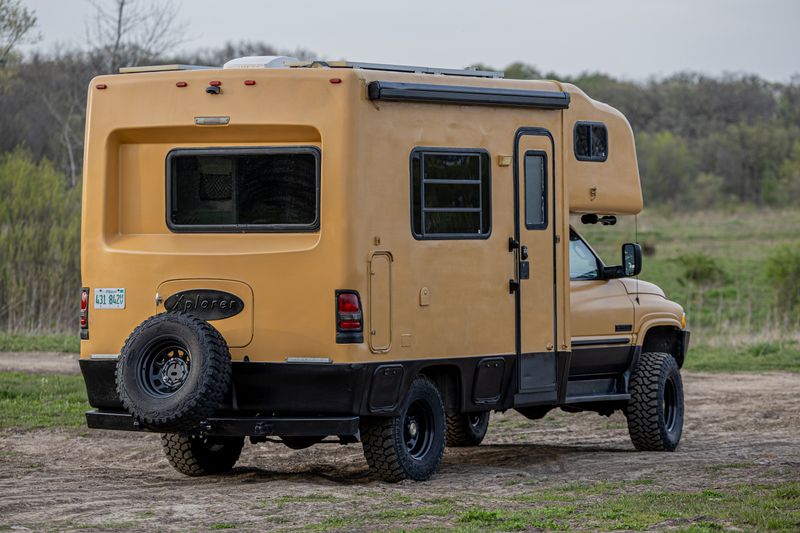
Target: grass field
[
  {"x": 40, "y": 342},
  {"x": 30, "y": 401},
  {"x": 733, "y": 301}
]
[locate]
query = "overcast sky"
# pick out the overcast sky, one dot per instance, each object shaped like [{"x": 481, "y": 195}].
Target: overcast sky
[{"x": 626, "y": 38}]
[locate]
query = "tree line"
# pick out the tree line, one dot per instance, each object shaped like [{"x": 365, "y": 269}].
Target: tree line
[{"x": 702, "y": 140}]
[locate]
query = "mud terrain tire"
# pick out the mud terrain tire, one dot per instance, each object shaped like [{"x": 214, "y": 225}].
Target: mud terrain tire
[
  {"x": 173, "y": 372},
  {"x": 655, "y": 410},
  {"x": 201, "y": 456},
  {"x": 467, "y": 429},
  {"x": 411, "y": 444}
]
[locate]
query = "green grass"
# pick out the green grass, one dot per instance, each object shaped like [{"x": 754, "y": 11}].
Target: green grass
[
  {"x": 755, "y": 357},
  {"x": 746, "y": 507},
  {"x": 40, "y": 401},
  {"x": 44, "y": 342}
]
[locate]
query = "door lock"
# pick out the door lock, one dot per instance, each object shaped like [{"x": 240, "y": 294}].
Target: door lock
[{"x": 523, "y": 253}]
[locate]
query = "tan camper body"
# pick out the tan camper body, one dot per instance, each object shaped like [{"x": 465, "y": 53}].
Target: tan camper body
[{"x": 440, "y": 202}]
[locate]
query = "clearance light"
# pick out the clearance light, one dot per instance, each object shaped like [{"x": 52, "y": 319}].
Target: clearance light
[
  {"x": 181, "y": 84},
  {"x": 215, "y": 83},
  {"x": 101, "y": 86},
  {"x": 683, "y": 321},
  {"x": 335, "y": 80},
  {"x": 249, "y": 82}
]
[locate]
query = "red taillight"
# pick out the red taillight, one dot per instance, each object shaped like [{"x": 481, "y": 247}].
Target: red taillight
[
  {"x": 348, "y": 303},
  {"x": 84, "y": 313},
  {"x": 349, "y": 318}
]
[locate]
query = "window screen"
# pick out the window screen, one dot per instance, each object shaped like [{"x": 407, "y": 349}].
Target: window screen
[
  {"x": 242, "y": 189},
  {"x": 535, "y": 190},
  {"x": 450, "y": 194},
  {"x": 591, "y": 141}
]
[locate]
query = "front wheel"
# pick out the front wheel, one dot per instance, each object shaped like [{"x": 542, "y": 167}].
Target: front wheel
[
  {"x": 467, "y": 429},
  {"x": 411, "y": 444},
  {"x": 201, "y": 456},
  {"x": 655, "y": 410}
]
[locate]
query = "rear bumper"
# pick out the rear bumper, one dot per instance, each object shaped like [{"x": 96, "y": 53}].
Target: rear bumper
[{"x": 241, "y": 425}]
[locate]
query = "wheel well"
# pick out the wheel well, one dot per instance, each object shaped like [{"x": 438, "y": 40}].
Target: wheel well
[
  {"x": 665, "y": 339},
  {"x": 447, "y": 380}
]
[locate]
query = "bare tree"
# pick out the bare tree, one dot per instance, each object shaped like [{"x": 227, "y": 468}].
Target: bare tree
[
  {"x": 16, "y": 23},
  {"x": 130, "y": 32}
]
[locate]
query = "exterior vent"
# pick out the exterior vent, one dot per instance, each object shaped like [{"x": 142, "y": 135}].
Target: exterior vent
[{"x": 259, "y": 62}]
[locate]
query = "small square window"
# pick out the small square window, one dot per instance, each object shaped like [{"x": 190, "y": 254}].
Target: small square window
[
  {"x": 450, "y": 193},
  {"x": 591, "y": 141}
]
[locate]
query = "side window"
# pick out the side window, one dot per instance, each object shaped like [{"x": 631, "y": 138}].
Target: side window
[
  {"x": 583, "y": 264},
  {"x": 451, "y": 193},
  {"x": 591, "y": 141},
  {"x": 535, "y": 190}
]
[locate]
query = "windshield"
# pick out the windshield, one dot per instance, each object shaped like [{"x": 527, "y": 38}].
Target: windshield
[{"x": 583, "y": 264}]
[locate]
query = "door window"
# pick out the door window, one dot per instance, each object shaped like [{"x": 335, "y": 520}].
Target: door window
[{"x": 535, "y": 190}]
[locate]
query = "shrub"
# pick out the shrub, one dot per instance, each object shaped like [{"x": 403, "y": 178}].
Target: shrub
[
  {"x": 702, "y": 270},
  {"x": 783, "y": 273}
]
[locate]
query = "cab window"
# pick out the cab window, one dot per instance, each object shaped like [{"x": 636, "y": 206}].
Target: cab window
[{"x": 583, "y": 264}]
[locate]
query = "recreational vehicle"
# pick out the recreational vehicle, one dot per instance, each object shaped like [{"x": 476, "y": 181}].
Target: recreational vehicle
[{"x": 313, "y": 252}]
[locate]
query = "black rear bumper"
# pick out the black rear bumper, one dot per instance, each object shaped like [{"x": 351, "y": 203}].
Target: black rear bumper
[{"x": 344, "y": 426}]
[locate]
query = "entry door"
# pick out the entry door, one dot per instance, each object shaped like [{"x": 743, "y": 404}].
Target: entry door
[{"x": 533, "y": 247}]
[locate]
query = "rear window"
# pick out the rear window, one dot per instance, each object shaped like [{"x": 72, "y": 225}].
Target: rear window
[{"x": 243, "y": 189}]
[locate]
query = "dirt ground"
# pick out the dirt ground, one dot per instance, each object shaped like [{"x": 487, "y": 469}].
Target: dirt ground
[{"x": 739, "y": 428}]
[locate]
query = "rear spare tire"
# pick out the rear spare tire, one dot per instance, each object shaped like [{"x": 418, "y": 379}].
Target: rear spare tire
[
  {"x": 655, "y": 410},
  {"x": 174, "y": 371}
]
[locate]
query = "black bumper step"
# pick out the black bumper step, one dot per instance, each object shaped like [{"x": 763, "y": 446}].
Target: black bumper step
[{"x": 235, "y": 426}]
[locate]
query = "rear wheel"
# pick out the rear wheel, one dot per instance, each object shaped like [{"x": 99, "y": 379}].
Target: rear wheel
[
  {"x": 467, "y": 429},
  {"x": 655, "y": 410},
  {"x": 201, "y": 456},
  {"x": 411, "y": 444}
]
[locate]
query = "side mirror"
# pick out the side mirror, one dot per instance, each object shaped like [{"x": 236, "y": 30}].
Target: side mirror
[{"x": 631, "y": 259}]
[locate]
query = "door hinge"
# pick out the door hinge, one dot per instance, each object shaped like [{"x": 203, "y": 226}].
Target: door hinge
[
  {"x": 513, "y": 244},
  {"x": 513, "y": 286}
]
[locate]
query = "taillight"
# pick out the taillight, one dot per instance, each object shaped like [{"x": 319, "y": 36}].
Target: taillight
[
  {"x": 349, "y": 317},
  {"x": 85, "y": 313}
]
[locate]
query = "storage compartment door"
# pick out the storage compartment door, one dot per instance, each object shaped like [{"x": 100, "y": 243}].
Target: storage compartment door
[{"x": 380, "y": 302}]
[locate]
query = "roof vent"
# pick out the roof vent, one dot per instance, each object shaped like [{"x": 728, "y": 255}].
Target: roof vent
[{"x": 259, "y": 62}]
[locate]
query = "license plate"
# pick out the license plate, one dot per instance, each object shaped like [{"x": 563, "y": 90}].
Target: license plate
[{"x": 109, "y": 298}]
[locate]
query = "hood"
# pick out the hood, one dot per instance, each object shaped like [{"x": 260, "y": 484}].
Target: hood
[{"x": 632, "y": 285}]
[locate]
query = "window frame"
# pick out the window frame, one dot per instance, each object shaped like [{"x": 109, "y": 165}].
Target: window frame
[
  {"x": 242, "y": 228},
  {"x": 600, "y": 264},
  {"x": 545, "y": 177},
  {"x": 591, "y": 158},
  {"x": 422, "y": 151}
]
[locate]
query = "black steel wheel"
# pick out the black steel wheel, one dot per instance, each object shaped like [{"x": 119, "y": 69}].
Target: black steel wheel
[
  {"x": 467, "y": 429},
  {"x": 411, "y": 444},
  {"x": 173, "y": 372},
  {"x": 201, "y": 456},
  {"x": 655, "y": 410}
]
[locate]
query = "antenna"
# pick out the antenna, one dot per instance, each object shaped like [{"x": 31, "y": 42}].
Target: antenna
[{"x": 636, "y": 239}]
